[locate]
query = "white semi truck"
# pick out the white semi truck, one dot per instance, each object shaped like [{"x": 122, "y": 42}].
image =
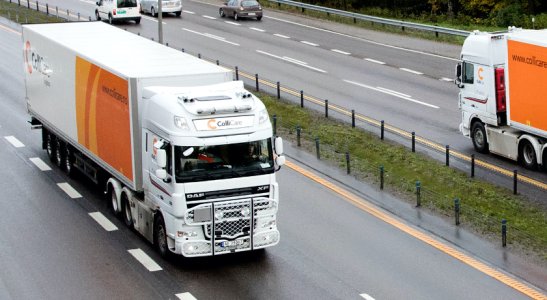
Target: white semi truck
[
  {"x": 186, "y": 154},
  {"x": 502, "y": 100}
]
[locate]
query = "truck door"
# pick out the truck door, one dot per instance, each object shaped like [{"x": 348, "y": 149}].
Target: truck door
[
  {"x": 161, "y": 183},
  {"x": 474, "y": 94}
]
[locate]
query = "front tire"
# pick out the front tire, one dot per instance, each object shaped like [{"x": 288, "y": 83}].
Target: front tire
[
  {"x": 221, "y": 13},
  {"x": 236, "y": 17},
  {"x": 178, "y": 13},
  {"x": 160, "y": 238},
  {"x": 478, "y": 135},
  {"x": 527, "y": 155},
  {"x": 110, "y": 20},
  {"x": 97, "y": 16},
  {"x": 138, "y": 21}
]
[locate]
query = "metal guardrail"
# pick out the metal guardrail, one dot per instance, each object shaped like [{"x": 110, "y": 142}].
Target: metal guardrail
[{"x": 356, "y": 16}]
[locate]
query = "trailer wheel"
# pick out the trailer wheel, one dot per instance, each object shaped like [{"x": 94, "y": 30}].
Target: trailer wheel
[
  {"x": 50, "y": 146},
  {"x": 97, "y": 16},
  {"x": 527, "y": 155},
  {"x": 160, "y": 237},
  {"x": 478, "y": 135},
  {"x": 69, "y": 161},
  {"x": 59, "y": 153},
  {"x": 127, "y": 216}
]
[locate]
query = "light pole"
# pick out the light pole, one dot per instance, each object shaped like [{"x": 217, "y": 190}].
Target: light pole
[{"x": 160, "y": 22}]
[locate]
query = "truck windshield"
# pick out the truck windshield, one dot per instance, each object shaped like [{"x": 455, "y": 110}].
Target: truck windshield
[{"x": 196, "y": 163}]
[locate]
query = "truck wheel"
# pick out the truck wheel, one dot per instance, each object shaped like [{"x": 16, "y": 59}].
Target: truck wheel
[
  {"x": 97, "y": 16},
  {"x": 114, "y": 201},
  {"x": 478, "y": 135},
  {"x": 527, "y": 155},
  {"x": 127, "y": 216},
  {"x": 138, "y": 21},
  {"x": 236, "y": 17},
  {"x": 221, "y": 13},
  {"x": 69, "y": 161},
  {"x": 160, "y": 237},
  {"x": 50, "y": 147},
  {"x": 153, "y": 12},
  {"x": 110, "y": 21},
  {"x": 59, "y": 154},
  {"x": 178, "y": 13}
]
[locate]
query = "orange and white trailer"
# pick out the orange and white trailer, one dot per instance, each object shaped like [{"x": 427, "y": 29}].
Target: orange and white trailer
[
  {"x": 184, "y": 153},
  {"x": 503, "y": 104}
]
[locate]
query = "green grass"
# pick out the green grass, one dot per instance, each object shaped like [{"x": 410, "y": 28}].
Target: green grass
[
  {"x": 483, "y": 205},
  {"x": 22, "y": 14}
]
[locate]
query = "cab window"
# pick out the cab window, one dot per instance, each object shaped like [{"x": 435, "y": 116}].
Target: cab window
[
  {"x": 127, "y": 3},
  {"x": 468, "y": 73}
]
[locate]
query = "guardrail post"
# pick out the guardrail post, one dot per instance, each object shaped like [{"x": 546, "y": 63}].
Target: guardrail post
[
  {"x": 302, "y": 99},
  {"x": 182, "y": 49},
  {"x": 381, "y": 177},
  {"x": 354, "y": 20},
  {"x": 418, "y": 194},
  {"x": 457, "y": 210},
  {"x": 275, "y": 125},
  {"x": 237, "y": 73},
  {"x": 19, "y": 2},
  {"x": 47, "y": 9},
  {"x": 89, "y": 18},
  {"x": 472, "y": 165},
  {"x": 353, "y": 118},
  {"x": 199, "y": 55},
  {"x": 298, "y": 132},
  {"x": 403, "y": 29},
  {"x": 28, "y": 4},
  {"x": 413, "y": 141},
  {"x": 347, "y": 163},
  {"x": 78, "y": 16},
  {"x": 515, "y": 181},
  {"x": 382, "y": 129},
  {"x": 327, "y": 109},
  {"x": 67, "y": 15},
  {"x": 447, "y": 155},
  {"x": 303, "y": 10},
  {"x": 57, "y": 11},
  {"x": 317, "y": 148},
  {"x": 278, "y": 91},
  {"x": 218, "y": 62},
  {"x": 37, "y": 7},
  {"x": 256, "y": 80},
  {"x": 504, "y": 232}
]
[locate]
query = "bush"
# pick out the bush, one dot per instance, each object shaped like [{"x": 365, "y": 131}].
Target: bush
[{"x": 510, "y": 15}]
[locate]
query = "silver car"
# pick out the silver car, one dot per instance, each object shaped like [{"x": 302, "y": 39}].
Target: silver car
[{"x": 167, "y": 6}]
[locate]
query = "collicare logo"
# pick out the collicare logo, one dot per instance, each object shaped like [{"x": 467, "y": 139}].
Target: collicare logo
[
  {"x": 480, "y": 73},
  {"x": 27, "y": 54},
  {"x": 211, "y": 124}
]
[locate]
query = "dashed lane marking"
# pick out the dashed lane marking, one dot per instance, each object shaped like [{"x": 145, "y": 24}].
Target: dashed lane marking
[
  {"x": 145, "y": 260},
  {"x": 69, "y": 190},
  {"x": 14, "y": 141},
  {"x": 40, "y": 164},
  {"x": 103, "y": 221},
  {"x": 185, "y": 296}
]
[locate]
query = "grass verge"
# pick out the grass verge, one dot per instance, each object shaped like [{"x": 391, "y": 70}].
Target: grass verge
[
  {"x": 22, "y": 14},
  {"x": 483, "y": 205}
]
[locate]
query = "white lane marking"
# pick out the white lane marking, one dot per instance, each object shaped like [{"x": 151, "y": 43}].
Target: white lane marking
[
  {"x": 385, "y": 91},
  {"x": 446, "y": 79},
  {"x": 14, "y": 141},
  {"x": 411, "y": 71},
  {"x": 40, "y": 164},
  {"x": 232, "y": 23},
  {"x": 145, "y": 260},
  {"x": 363, "y": 40},
  {"x": 257, "y": 29},
  {"x": 366, "y": 296},
  {"x": 103, "y": 221},
  {"x": 394, "y": 92},
  {"x": 69, "y": 190},
  {"x": 152, "y": 19},
  {"x": 189, "y": 12},
  {"x": 186, "y": 296},
  {"x": 209, "y": 17},
  {"x": 294, "y": 61},
  {"x": 211, "y": 36},
  {"x": 309, "y": 43},
  {"x": 9, "y": 30},
  {"x": 340, "y": 51},
  {"x": 375, "y": 61},
  {"x": 282, "y": 36}
]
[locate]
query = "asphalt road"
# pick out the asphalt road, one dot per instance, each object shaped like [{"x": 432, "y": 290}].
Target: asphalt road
[
  {"x": 333, "y": 246},
  {"x": 401, "y": 80}
]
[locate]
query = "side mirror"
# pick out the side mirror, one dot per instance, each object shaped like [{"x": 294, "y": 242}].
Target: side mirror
[
  {"x": 278, "y": 144},
  {"x": 458, "y": 80},
  {"x": 161, "y": 158},
  {"x": 161, "y": 174},
  {"x": 280, "y": 160}
]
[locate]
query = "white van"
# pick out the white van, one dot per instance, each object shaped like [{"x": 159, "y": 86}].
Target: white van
[
  {"x": 118, "y": 10},
  {"x": 167, "y": 6}
]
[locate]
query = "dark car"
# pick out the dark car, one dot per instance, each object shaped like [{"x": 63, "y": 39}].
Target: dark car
[{"x": 241, "y": 9}]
